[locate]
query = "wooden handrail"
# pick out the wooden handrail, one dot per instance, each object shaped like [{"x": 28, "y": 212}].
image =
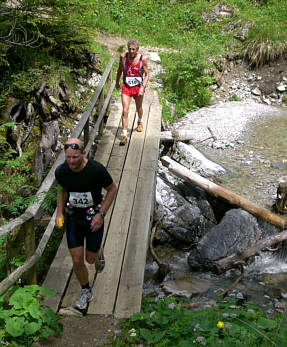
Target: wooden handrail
[{"x": 31, "y": 211}]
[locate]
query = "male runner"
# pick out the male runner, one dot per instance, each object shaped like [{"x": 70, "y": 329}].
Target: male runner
[
  {"x": 135, "y": 72},
  {"x": 82, "y": 180}
]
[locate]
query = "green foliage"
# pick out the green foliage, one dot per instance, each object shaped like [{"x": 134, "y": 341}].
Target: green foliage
[
  {"x": 185, "y": 83},
  {"x": 24, "y": 319},
  {"x": 166, "y": 323},
  {"x": 3, "y": 255},
  {"x": 234, "y": 97},
  {"x": 15, "y": 175}
]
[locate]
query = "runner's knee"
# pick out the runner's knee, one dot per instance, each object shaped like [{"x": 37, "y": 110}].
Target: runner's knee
[
  {"x": 77, "y": 261},
  {"x": 91, "y": 258}
]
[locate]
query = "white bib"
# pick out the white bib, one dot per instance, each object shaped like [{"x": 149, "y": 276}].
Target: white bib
[
  {"x": 133, "y": 81},
  {"x": 81, "y": 200}
]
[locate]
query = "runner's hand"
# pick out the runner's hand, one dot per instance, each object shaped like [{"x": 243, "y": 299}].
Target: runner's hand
[
  {"x": 141, "y": 91},
  {"x": 97, "y": 222},
  {"x": 59, "y": 221}
]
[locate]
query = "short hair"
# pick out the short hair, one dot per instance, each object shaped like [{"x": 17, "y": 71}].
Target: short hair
[{"x": 134, "y": 43}]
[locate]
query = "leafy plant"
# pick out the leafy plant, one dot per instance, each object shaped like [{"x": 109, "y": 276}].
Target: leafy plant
[
  {"x": 234, "y": 97},
  {"x": 185, "y": 83},
  {"x": 168, "y": 323},
  {"x": 23, "y": 319}
]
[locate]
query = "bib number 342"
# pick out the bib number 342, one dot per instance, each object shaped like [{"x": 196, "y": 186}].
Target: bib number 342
[{"x": 81, "y": 200}]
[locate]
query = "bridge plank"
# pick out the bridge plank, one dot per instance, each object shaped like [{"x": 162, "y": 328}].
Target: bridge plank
[
  {"x": 58, "y": 275},
  {"x": 106, "y": 282},
  {"x": 111, "y": 155},
  {"x": 132, "y": 276}
]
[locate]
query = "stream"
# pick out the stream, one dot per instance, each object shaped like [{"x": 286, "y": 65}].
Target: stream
[{"x": 257, "y": 162}]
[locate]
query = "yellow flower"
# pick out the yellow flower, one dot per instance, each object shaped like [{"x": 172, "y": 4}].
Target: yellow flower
[
  {"x": 220, "y": 324},
  {"x": 109, "y": 330}
]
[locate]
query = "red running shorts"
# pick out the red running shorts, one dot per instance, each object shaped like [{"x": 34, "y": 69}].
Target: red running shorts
[{"x": 131, "y": 91}]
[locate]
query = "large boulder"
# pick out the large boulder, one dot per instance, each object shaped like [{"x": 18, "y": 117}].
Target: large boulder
[
  {"x": 182, "y": 210},
  {"x": 234, "y": 233}
]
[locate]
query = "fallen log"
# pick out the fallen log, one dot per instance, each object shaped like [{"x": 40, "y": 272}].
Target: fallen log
[
  {"x": 183, "y": 135},
  {"x": 240, "y": 258},
  {"x": 222, "y": 193},
  {"x": 178, "y": 135}
]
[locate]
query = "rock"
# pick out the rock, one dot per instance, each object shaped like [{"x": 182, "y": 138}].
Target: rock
[
  {"x": 154, "y": 57},
  {"x": 45, "y": 153},
  {"x": 256, "y": 91},
  {"x": 234, "y": 233},
  {"x": 70, "y": 311},
  {"x": 281, "y": 88},
  {"x": 185, "y": 221},
  {"x": 186, "y": 287},
  {"x": 94, "y": 80}
]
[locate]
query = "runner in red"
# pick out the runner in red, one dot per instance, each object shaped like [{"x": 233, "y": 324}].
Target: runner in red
[{"x": 134, "y": 69}]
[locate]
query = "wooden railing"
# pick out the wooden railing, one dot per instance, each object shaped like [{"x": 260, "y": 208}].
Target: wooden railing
[{"x": 22, "y": 227}]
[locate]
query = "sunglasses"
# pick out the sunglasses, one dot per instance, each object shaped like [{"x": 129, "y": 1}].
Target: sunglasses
[{"x": 73, "y": 146}]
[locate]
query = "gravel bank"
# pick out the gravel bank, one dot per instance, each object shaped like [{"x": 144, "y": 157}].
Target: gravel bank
[{"x": 227, "y": 121}]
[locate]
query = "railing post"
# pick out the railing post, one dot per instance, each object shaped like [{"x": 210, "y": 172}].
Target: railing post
[
  {"x": 87, "y": 132},
  {"x": 100, "y": 106},
  {"x": 30, "y": 247},
  {"x": 109, "y": 84}
]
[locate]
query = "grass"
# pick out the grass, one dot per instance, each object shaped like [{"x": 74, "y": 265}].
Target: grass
[{"x": 193, "y": 30}]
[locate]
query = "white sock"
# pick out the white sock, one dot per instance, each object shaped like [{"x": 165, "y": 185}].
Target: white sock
[{"x": 125, "y": 132}]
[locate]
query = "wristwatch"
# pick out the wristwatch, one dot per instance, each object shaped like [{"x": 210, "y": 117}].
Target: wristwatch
[{"x": 102, "y": 214}]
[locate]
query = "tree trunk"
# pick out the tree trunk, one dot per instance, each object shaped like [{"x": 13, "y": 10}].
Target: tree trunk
[
  {"x": 176, "y": 135},
  {"x": 222, "y": 193}
]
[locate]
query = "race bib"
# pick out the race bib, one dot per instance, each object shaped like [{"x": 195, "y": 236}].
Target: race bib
[
  {"x": 133, "y": 81},
  {"x": 81, "y": 200}
]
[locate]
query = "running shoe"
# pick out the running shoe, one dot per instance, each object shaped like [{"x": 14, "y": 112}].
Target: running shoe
[
  {"x": 86, "y": 296},
  {"x": 140, "y": 127},
  {"x": 100, "y": 262},
  {"x": 123, "y": 141}
]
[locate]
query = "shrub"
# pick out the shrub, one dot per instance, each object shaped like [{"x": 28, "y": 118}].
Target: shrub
[
  {"x": 185, "y": 83},
  {"x": 23, "y": 319},
  {"x": 167, "y": 323}
]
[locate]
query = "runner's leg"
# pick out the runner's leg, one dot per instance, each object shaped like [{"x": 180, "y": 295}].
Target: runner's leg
[
  {"x": 91, "y": 257},
  {"x": 139, "y": 106},
  {"x": 80, "y": 268},
  {"x": 126, "y": 100}
]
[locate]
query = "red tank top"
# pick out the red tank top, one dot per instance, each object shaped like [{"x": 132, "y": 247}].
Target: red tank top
[
  {"x": 132, "y": 73},
  {"x": 133, "y": 70}
]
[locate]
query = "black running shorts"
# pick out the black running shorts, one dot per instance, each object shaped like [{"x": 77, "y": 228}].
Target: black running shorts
[{"x": 78, "y": 229}]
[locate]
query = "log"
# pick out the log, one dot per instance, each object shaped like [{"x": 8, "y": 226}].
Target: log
[
  {"x": 240, "y": 258},
  {"x": 220, "y": 192},
  {"x": 178, "y": 135}
]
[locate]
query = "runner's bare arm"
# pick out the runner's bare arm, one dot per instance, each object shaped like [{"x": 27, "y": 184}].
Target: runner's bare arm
[
  {"x": 146, "y": 71},
  {"x": 61, "y": 202},
  {"x": 98, "y": 219},
  {"x": 120, "y": 71},
  {"x": 146, "y": 76}
]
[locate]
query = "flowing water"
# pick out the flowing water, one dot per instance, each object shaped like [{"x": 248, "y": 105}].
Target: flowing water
[{"x": 258, "y": 162}]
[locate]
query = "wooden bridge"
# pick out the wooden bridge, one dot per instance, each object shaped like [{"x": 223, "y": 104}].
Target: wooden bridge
[{"x": 118, "y": 289}]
